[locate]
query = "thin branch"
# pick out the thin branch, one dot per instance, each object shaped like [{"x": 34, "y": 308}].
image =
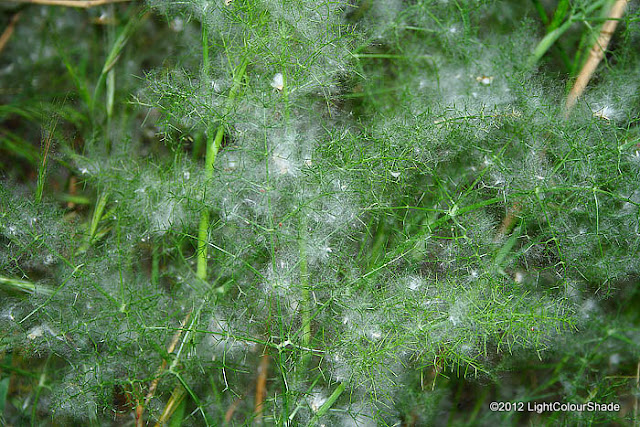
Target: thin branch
[
  {"x": 6, "y": 34},
  {"x": 232, "y": 409},
  {"x": 177, "y": 396},
  {"x": 83, "y": 4},
  {"x": 507, "y": 222},
  {"x": 261, "y": 388},
  {"x": 595, "y": 54},
  {"x": 156, "y": 380}
]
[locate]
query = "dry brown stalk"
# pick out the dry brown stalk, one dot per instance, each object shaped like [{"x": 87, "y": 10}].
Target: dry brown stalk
[
  {"x": 595, "y": 54},
  {"x": 177, "y": 396},
  {"x": 507, "y": 222},
  {"x": 6, "y": 34},
  {"x": 72, "y": 191},
  {"x": 156, "y": 379},
  {"x": 232, "y": 409},
  {"x": 261, "y": 388}
]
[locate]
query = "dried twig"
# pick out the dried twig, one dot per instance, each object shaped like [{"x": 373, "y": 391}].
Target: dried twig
[
  {"x": 261, "y": 388},
  {"x": 72, "y": 191},
  {"x": 177, "y": 396},
  {"x": 232, "y": 409},
  {"x": 595, "y": 54},
  {"x": 156, "y": 379},
  {"x": 83, "y": 4},
  {"x": 507, "y": 222},
  {"x": 6, "y": 34}
]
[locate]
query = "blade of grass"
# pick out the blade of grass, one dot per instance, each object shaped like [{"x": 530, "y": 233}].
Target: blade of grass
[
  {"x": 306, "y": 308},
  {"x": 79, "y": 82},
  {"x": 327, "y": 405},
  {"x": 13, "y": 143},
  {"x": 174, "y": 409},
  {"x": 550, "y": 39},
  {"x": 500, "y": 258},
  {"x": 635, "y": 402},
  {"x": 46, "y": 149},
  {"x": 114, "y": 54},
  {"x": 558, "y": 16},
  {"x": 101, "y": 203},
  {"x": 41, "y": 384},
  {"x": 214, "y": 142},
  {"x": 301, "y": 403},
  {"x": 4, "y": 391},
  {"x": 24, "y": 286}
]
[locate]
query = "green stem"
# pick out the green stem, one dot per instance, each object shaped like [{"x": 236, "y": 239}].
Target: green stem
[
  {"x": 42, "y": 171},
  {"x": 327, "y": 405},
  {"x": 155, "y": 264},
  {"x": 214, "y": 142},
  {"x": 537, "y": 4},
  {"x": 558, "y": 17},
  {"x": 307, "y": 305},
  {"x": 304, "y": 283},
  {"x": 201, "y": 270},
  {"x": 589, "y": 38},
  {"x": 285, "y": 97},
  {"x": 549, "y": 40},
  {"x": 42, "y": 381}
]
